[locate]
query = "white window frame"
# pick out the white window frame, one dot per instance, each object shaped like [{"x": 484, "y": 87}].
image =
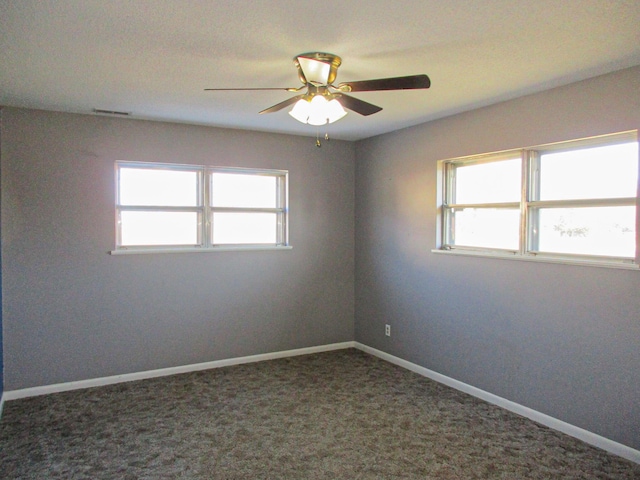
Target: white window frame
[
  {"x": 529, "y": 204},
  {"x": 205, "y": 211}
]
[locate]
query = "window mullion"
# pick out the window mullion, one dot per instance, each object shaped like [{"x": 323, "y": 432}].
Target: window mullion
[
  {"x": 156, "y": 208},
  {"x": 531, "y": 181},
  {"x": 451, "y": 184},
  {"x": 586, "y": 202},
  {"x": 246, "y": 210},
  {"x": 449, "y": 199},
  {"x": 203, "y": 184},
  {"x": 281, "y": 196},
  {"x": 462, "y": 206},
  {"x": 524, "y": 187}
]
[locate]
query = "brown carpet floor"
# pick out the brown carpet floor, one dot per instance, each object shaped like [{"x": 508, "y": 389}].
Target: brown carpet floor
[{"x": 334, "y": 415}]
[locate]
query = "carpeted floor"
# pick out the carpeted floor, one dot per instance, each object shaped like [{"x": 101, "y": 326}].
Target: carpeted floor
[{"x": 334, "y": 415}]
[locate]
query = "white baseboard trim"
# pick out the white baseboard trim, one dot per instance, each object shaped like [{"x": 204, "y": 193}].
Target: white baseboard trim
[
  {"x": 163, "y": 372},
  {"x": 551, "y": 422}
]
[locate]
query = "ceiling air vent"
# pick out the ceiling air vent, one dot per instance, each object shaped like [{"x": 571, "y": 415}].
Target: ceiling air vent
[{"x": 111, "y": 112}]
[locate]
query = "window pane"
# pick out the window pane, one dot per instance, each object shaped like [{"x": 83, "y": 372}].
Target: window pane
[
  {"x": 486, "y": 227},
  {"x": 608, "y": 231},
  {"x": 243, "y": 191},
  {"x": 492, "y": 182},
  {"x": 602, "y": 172},
  {"x": 244, "y": 228},
  {"x": 157, "y": 187},
  {"x": 159, "y": 228}
]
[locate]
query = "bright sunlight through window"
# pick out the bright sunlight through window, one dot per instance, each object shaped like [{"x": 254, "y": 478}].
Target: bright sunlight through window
[
  {"x": 575, "y": 201},
  {"x": 185, "y": 207}
]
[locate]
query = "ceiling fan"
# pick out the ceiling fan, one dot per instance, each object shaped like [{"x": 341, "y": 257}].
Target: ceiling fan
[{"x": 324, "y": 102}]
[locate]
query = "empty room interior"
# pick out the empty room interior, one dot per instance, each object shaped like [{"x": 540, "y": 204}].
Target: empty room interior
[{"x": 424, "y": 236}]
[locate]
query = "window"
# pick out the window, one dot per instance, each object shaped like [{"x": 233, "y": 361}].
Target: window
[
  {"x": 187, "y": 207},
  {"x": 572, "y": 201}
]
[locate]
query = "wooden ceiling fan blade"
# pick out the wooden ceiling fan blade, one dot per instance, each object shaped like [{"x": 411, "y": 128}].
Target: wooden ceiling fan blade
[
  {"x": 410, "y": 82},
  {"x": 357, "y": 105},
  {"x": 281, "y": 105}
]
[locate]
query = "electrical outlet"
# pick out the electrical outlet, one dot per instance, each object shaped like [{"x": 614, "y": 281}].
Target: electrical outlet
[{"x": 387, "y": 330}]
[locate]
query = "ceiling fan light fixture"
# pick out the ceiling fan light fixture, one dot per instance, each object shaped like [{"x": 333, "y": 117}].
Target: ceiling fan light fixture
[
  {"x": 317, "y": 68},
  {"x": 315, "y": 72},
  {"x": 317, "y": 110},
  {"x": 300, "y": 110},
  {"x": 335, "y": 111}
]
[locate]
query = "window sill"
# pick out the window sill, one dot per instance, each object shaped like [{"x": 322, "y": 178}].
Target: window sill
[
  {"x": 230, "y": 248},
  {"x": 587, "y": 262}
]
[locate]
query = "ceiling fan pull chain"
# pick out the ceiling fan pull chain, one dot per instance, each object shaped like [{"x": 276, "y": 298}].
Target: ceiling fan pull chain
[{"x": 318, "y": 144}]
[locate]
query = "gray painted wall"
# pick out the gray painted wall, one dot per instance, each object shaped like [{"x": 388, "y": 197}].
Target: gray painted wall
[
  {"x": 73, "y": 312},
  {"x": 563, "y": 340},
  {"x": 1, "y": 342},
  {"x": 560, "y": 339}
]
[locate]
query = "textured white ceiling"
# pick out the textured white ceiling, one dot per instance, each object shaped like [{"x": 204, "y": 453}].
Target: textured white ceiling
[{"x": 154, "y": 58}]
